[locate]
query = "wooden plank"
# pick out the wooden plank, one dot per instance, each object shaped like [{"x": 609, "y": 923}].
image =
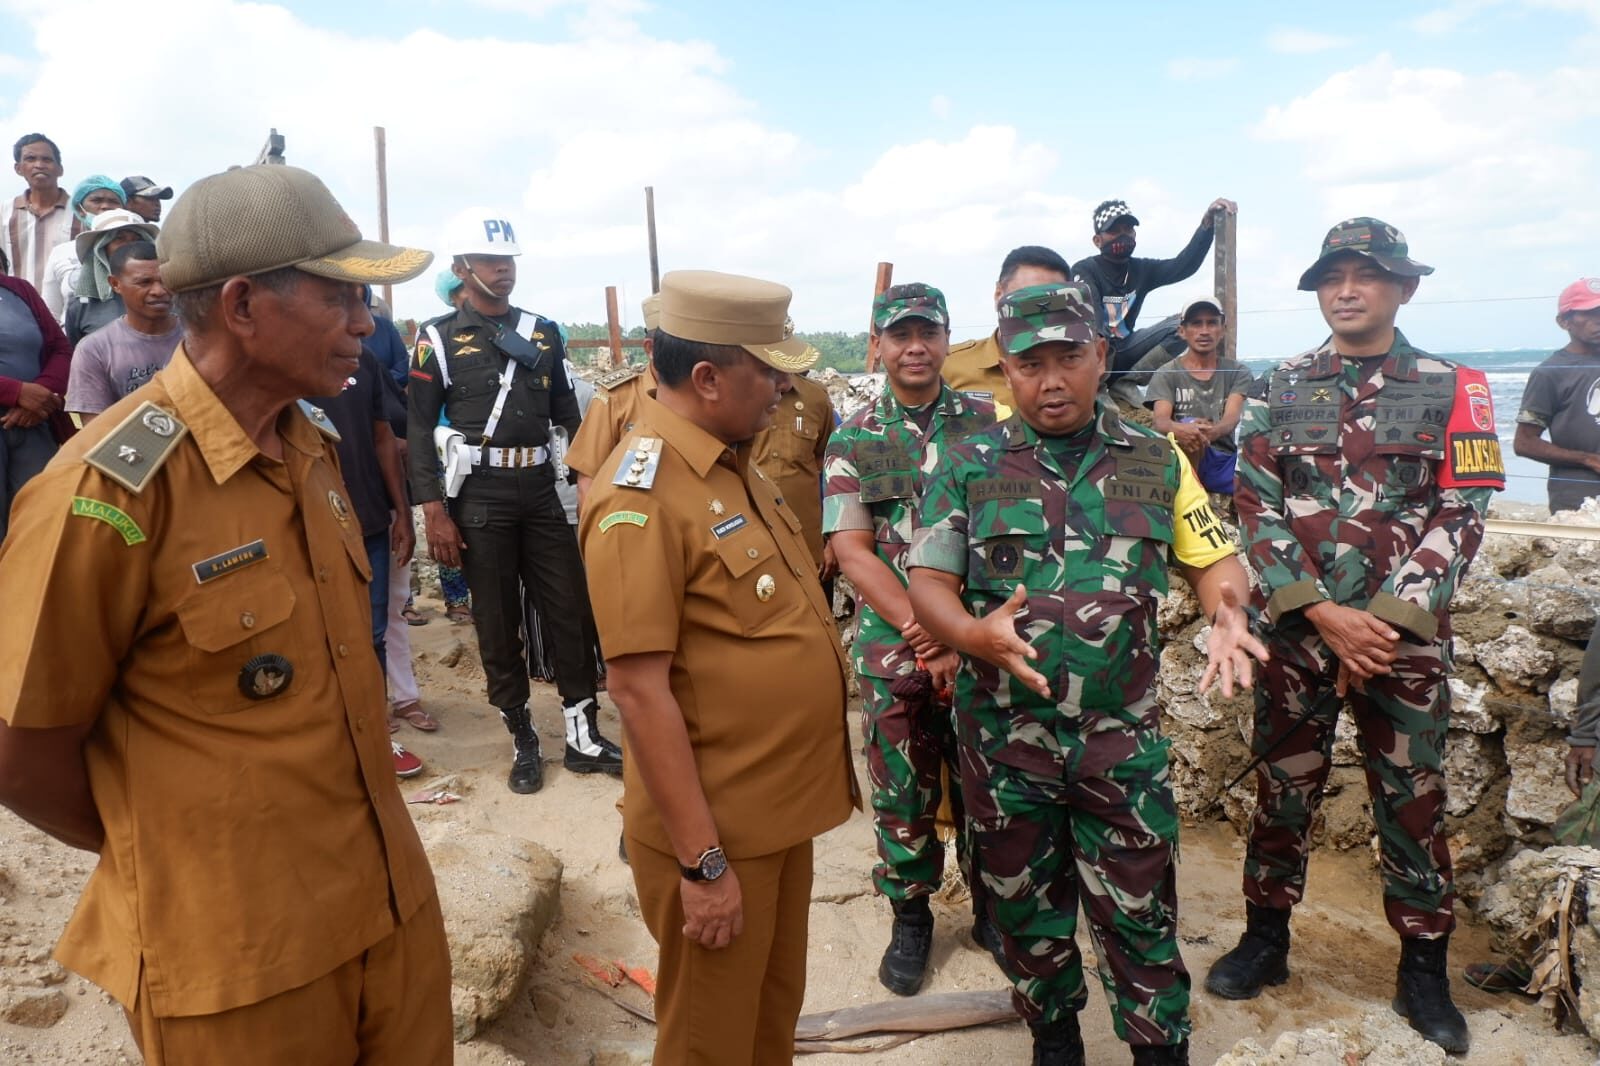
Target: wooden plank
[
  {"x": 380, "y": 143},
  {"x": 1225, "y": 260},
  {"x": 614, "y": 326},
  {"x": 650, "y": 226},
  {"x": 884, "y": 279},
  {"x": 1513, "y": 528}
]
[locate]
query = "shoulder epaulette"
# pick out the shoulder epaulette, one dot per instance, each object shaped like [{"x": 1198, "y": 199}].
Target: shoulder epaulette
[
  {"x": 621, "y": 375},
  {"x": 131, "y": 454},
  {"x": 964, "y": 345},
  {"x": 320, "y": 419},
  {"x": 638, "y": 467}
]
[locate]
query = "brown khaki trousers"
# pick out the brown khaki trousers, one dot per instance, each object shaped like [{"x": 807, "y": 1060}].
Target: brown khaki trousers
[
  {"x": 388, "y": 1006},
  {"x": 736, "y": 1006}
]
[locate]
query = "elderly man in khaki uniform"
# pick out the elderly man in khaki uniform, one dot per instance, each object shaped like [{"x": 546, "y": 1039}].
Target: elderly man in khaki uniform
[
  {"x": 187, "y": 687},
  {"x": 725, "y": 663}
]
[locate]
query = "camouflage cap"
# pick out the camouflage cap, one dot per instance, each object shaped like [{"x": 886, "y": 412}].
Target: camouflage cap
[
  {"x": 1371, "y": 238},
  {"x": 1040, "y": 314},
  {"x": 913, "y": 300}
]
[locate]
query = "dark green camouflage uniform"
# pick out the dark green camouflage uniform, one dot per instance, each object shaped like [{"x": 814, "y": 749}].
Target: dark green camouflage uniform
[
  {"x": 1073, "y": 789},
  {"x": 1363, "y": 482},
  {"x": 872, "y": 478}
]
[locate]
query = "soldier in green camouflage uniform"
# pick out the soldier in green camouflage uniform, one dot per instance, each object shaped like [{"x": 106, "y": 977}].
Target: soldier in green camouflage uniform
[
  {"x": 872, "y": 478},
  {"x": 1365, "y": 470},
  {"x": 1053, "y": 529}
]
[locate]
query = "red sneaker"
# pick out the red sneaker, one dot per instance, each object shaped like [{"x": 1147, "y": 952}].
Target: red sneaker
[{"x": 405, "y": 763}]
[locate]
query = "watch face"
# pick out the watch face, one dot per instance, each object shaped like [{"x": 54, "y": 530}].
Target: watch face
[{"x": 713, "y": 865}]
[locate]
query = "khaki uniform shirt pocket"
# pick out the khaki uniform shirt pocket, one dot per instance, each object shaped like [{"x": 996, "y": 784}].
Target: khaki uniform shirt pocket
[{"x": 242, "y": 649}]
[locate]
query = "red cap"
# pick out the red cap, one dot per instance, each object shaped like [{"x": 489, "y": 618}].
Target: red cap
[{"x": 1581, "y": 295}]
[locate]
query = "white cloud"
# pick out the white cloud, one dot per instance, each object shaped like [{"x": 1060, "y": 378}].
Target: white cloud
[
  {"x": 1198, "y": 69},
  {"x": 1457, "y": 13},
  {"x": 1453, "y": 159},
  {"x": 939, "y": 106},
  {"x": 1291, "y": 40}
]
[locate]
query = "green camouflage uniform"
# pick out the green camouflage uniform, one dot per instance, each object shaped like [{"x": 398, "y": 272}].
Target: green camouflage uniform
[
  {"x": 1072, "y": 789},
  {"x": 872, "y": 478},
  {"x": 1363, "y": 482}
]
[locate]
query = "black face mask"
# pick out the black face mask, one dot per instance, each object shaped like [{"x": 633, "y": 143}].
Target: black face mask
[{"x": 1118, "y": 247}]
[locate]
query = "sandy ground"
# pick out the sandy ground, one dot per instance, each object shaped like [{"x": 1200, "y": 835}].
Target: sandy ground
[{"x": 1343, "y": 960}]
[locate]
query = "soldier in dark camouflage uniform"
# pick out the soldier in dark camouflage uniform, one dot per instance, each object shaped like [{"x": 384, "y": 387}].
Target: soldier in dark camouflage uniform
[
  {"x": 1053, "y": 529},
  {"x": 1365, "y": 469},
  {"x": 872, "y": 478}
]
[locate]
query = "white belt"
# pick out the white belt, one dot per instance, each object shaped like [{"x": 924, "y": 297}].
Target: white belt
[{"x": 509, "y": 457}]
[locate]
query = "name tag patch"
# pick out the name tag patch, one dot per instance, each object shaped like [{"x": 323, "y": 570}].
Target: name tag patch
[
  {"x": 229, "y": 561},
  {"x": 1002, "y": 488},
  {"x": 732, "y": 525}
]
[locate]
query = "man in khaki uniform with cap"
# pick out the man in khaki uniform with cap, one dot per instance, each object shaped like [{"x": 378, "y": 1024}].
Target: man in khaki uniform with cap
[
  {"x": 187, "y": 688},
  {"x": 789, "y": 450},
  {"x": 725, "y": 663}
]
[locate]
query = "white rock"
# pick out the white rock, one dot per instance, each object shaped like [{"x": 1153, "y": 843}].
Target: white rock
[
  {"x": 1538, "y": 790},
  {"x": 498, "y": 894},
  {"x": 1469, "y": 767},
  {"x": 1516, "y": 658},
  {"x": 1564, "y": 701},
  {"x": 1468, "y": 709},
  {"x": 1559, "y": 607}
]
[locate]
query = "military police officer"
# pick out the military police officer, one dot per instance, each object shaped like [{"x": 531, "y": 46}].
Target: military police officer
[
  {"x": 1365, "y": 470},
  {"x": 494, "y": 375},
  {"x": 1053, "y": 529},
  {"x": 872, "y": 479}
]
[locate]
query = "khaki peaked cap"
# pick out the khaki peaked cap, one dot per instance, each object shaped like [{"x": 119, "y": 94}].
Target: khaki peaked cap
[
  {"x": 250, "y": 220},
  {"x": 716, "y": 308}
]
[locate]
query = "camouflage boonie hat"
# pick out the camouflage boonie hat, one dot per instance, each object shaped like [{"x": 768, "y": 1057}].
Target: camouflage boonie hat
[
  {"x": 1369, "y": 237},
  {"x": 913, "y": 300},
  {"x": 1040, "y": 314}
]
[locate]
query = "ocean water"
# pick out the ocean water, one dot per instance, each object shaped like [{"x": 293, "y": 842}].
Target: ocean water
[{"x": 1507, "y": 371}]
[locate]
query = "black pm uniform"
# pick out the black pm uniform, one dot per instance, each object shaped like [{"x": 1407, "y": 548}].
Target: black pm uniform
[{"x": 510, "y": 517}]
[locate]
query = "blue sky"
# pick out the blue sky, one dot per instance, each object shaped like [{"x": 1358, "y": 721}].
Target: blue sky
[{"x": 805, "y": 143}]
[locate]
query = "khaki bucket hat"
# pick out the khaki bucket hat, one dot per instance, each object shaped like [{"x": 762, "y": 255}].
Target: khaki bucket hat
[
  {"x": 250, "y": 220},
  {"x": 716, "y": 308}
]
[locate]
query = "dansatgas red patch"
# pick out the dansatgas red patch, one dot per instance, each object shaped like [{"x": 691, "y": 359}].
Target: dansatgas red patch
[{"x": 1472, "y": 456}]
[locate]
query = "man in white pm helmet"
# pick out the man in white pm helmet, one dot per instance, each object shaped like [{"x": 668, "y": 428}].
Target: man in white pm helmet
[{"x": 491, "y": 379}]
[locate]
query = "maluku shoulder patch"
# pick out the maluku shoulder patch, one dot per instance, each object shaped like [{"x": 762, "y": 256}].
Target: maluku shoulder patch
[{"x": 131, "y": 453}]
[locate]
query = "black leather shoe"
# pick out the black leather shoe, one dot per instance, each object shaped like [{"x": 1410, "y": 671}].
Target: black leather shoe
[
  {"x": 1422, "y": 994},
  {"x": 602, "y": 762},
  {"x": 1262, "y": 957},
  {"x": 1057, "y": 1043},
  {"x": 527, "y": 765},
  {"x": 905, "y": 963}
]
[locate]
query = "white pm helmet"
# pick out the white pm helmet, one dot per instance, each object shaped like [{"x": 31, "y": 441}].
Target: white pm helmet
[{"x": 485, "y": 236}]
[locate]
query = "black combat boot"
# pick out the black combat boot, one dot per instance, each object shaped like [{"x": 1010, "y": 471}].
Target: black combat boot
[
  {"x": 1262, "y": 957},
  {"x": 1422, "y": 993},
  {"x": 1057, "y": 1043},
  {"x": 587, "y": 751},
  {"x": 527, "y": 771},
  {"x": 1162, "y": 1054},
  {"x": 987, "y": 937},
  {"x": 905, "y": 963}
]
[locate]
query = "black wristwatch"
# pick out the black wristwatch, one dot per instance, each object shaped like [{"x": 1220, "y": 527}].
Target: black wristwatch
[{"x": 711, "y": 865}]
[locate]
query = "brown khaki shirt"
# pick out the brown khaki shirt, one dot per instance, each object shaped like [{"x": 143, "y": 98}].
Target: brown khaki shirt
[
  {"x": 610, "y": 415},
  {"x": 251, "y": 844},
  {"x": 973, "y": 367},
  {"x": 790, "y": 453},
  {"x": 706, "y": 564}
]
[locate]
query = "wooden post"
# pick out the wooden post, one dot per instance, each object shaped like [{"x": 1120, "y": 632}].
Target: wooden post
[
  {"x": 650, "y": 226},
  {"x": 1225, "y": 258},
  {"x": 380, "y": 140},
  {"x": 884, "y": 280},
  {"x": 614, "y": 325}
]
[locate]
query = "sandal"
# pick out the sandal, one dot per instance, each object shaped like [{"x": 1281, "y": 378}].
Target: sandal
[
  {"x": 459, "y": 615},
  {"x": 412, "y": 616},
  {"x": 416, "y": 717},
  {"x": 1499, "y": 977}
]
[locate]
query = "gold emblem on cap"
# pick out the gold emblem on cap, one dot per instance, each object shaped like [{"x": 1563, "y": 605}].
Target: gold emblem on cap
[
  {"x": 765, "y": 587},
  {"x": 717, "y": 508},
  {"x": 799, "y": 405},
  {"x": 340, "y": 509}
]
